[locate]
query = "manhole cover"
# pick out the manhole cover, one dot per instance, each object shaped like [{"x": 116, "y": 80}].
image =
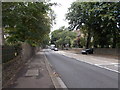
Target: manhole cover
[{"x": 31, "y": 73}]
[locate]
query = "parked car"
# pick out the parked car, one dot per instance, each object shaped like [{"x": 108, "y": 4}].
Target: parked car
[
  {"x": 55, "y": 49},
  {"x": 65, "y": 48},
  {"x": 87, "y": 51},
  {"x": 52, "y": 46}
]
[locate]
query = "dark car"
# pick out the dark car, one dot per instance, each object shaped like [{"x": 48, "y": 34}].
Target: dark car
[{"x": 87, "y": 51}]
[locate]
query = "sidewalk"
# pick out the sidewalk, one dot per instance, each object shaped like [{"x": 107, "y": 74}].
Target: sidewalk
[{"x": 34, "y": 74}]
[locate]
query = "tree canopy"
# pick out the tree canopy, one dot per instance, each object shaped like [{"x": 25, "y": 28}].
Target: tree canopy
[
  {"x": 62, "y": 37},
  {"x": 99, "y": 20},
  {"x": 26, "y": 21}
]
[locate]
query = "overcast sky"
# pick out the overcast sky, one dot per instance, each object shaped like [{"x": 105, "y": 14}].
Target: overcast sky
[{"x": 60, "y": 12}]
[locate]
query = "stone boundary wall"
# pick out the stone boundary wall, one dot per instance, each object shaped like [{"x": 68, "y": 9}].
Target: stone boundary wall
[
  {"x": 10, "y": 68},
  {"x": 28, "y": 51},
  {"x": 76, "y": 50},
  {"x": 108, "y": 51}
]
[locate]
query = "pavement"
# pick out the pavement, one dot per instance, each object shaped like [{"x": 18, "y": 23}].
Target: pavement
[
  {"x": 34, "y": 74},
  {"x": 97, "y": 60}
]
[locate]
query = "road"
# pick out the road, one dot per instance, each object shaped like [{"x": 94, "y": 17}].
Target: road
[{"x": 77, "y": 74}]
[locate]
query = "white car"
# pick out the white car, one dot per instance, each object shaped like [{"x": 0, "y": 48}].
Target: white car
[{"x": 55, "y": 49}]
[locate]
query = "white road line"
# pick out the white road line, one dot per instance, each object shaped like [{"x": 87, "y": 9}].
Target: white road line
[
  {"x": 108, "y": 64},
  {"x": 115, "y": 63},
  {"x": 98, "y": 65},
  {"x": 108, "y": 69}
]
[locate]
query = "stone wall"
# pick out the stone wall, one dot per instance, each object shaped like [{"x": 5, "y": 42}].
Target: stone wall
[
  {"x": 76, "y": 50},
  {"x": 108, "y": 51},
  {"x": 105, "y": 51},
  {"x": 27, "y": 51},
  {"x": 10, "y": 68}
]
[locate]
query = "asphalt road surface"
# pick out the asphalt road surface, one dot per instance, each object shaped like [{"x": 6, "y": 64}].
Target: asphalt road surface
[{"x": 77, "y": 74}]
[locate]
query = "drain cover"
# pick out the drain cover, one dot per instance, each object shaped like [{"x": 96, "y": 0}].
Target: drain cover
[{"x": 31, "y": 73}]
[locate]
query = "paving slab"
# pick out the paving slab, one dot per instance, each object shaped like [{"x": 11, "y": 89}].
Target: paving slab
[{"x": 32, "y": 73}]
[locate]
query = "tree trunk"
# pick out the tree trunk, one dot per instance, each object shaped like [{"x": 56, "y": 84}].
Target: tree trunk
[
  {"x": 114, "y": 40},
  {"x": 88, "y": 39}
]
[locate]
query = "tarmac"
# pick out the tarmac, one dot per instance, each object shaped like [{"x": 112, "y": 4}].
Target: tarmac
[{"x": 103, "y": 61}]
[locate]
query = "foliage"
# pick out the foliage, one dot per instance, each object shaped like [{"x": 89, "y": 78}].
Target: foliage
[
  {"x": 26, "y": 21},
  {"x": 62, "y": 37},
  {"x": 45, "y": 41},
  {"x": 99, "y": 20}
]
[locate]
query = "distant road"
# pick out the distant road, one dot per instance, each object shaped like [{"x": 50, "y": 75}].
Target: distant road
[{"x": 77, "y": 74}]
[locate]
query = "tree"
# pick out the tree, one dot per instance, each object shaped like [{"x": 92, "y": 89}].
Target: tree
[
  {"x": 55, "y": 35},
  {"x": 62, "y": 37},
  {"x": 101, "y": 20},
  {"x": 26, "y": 21},
  {"x": 45, "y": 41}
]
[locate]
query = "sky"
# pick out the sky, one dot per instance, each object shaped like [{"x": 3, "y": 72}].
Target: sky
[{"x": 60, "y": 12}]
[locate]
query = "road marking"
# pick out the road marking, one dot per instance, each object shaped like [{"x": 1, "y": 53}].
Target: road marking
[
  {"x": 108, "y": 69},
  {"x": 102, "y": 67},
  {"x": 108, "y": 64},
  {"x": 98, "y": 65}
]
